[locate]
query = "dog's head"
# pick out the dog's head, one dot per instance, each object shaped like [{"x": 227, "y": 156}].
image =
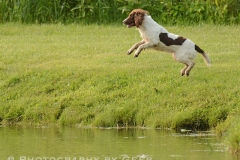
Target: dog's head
[{"x": 135, "y": 18}]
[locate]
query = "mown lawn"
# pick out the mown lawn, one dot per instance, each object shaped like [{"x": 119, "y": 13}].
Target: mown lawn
[{"x": 81, "y": 75}]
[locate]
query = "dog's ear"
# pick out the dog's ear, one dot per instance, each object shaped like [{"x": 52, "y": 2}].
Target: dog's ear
[{"x": 138, "y": 18}]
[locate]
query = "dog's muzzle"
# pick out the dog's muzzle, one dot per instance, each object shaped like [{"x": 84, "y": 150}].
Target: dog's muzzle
[{"x": 125, "y": 23}]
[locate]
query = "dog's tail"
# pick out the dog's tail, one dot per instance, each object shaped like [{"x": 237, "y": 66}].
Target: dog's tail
[{"x": 205, "y": 56}]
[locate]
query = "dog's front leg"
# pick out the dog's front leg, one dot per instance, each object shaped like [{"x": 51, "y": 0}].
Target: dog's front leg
[
  {"x": 141, "y": 47},
  {"x": 135, "y": 46}
]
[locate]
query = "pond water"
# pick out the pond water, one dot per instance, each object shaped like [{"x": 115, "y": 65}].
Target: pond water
[{"x": 56, "y": 143}]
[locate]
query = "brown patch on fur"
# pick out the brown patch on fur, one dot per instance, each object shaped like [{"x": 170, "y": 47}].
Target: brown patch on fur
[
  {"x": 198, "y": 49},
  {"x": 169, "y": 41}
]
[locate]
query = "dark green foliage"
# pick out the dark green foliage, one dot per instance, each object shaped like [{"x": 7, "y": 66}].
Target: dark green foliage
[{"x": 114, "y": 11}]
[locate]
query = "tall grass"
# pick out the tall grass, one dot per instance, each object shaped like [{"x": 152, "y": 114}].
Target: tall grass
[{"x": 109, "y": 11}]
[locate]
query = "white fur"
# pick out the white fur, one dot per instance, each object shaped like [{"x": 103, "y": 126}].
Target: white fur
[{"x": 150, "y": 30}]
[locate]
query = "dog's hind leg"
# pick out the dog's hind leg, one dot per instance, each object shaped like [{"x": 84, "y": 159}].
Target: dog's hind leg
[
  {"x": 189, "y": 68},
  {"x": 135, "y": 46},
  {"x": 184, "y": 69},
  {"x": 187, "y": 59}
]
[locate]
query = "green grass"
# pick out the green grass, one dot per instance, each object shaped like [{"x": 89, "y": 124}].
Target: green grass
[
  {"x": 81, "y": 75},
  {"x": 109, "y": 11}
]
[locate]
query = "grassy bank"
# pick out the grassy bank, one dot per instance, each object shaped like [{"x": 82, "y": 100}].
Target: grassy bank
[{"x": 68, "y": 75}]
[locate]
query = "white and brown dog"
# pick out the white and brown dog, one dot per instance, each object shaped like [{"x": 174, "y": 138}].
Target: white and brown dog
[{"x": 157, "y": 37}]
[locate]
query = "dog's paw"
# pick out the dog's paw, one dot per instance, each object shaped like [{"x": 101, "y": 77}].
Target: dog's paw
[
  {"x": 183, "y": 71},
  {"x": 129, "y": 52},
  {"x": 135, "y": 55}
]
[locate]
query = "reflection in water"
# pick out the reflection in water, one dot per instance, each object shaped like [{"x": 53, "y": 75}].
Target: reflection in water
[{"x": 50, "y": 143}]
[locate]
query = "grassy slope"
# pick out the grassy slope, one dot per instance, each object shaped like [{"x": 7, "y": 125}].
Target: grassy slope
[{"x": 81, "y": 75}]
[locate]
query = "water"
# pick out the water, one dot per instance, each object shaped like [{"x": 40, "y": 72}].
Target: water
[{"x": 52, "y": 143}]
